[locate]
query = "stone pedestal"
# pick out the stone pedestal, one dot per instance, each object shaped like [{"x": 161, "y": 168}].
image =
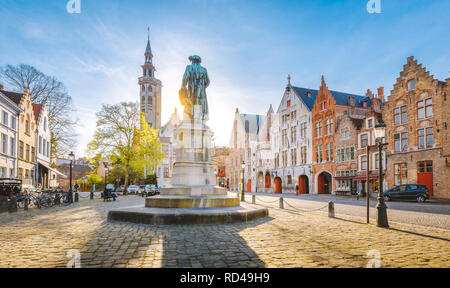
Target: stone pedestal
[{"x": 192, "y": 197}]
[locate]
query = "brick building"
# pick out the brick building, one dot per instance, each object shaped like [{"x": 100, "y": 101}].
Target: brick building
[
  {"x": 329, "y": 107},
  {"x": 416, "y": 116},
  {"x": 368, "y": 159}
]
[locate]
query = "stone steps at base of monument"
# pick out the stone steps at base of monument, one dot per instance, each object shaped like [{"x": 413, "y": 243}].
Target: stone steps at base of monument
[
  {"x": 164, "y": 216},
  {"x": 194, "y": 191},
  {"x": 191, "y": 201}
]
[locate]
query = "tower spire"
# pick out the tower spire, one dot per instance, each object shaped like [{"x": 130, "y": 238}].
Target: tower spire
[{"x": 148, "y": 68}]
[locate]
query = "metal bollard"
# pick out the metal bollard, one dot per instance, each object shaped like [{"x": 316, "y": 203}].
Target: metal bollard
[
  {"x": 76, "y": 197},
  {"x": 253, "y": 199},
  {"x": 12, "y": 207},
  {"x": 331, "y": 209},
  {"x": 25, "y": 204},
  {"x": 281, "y": 203}
]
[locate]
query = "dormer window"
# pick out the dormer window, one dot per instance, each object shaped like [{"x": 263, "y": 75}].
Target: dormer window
[
  {"x": 411, "y": 84},
  {"x": 365, "y": 104},
  {"x": 288, "y": 103},
  {"x": 309, "y": 94}
]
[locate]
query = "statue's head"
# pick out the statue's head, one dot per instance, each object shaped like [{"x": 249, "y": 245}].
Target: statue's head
[{"x": 195, "y": 59}]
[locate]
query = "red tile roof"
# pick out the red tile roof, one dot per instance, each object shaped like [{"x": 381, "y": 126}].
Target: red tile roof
[
  {"x": 15, "y": 97},
  {"x": 37, "y": 110}
]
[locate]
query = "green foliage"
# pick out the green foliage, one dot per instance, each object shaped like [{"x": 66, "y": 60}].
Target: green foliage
[
  {"x": 119, "y": 139},
  {"x": 151, "y": 179}
]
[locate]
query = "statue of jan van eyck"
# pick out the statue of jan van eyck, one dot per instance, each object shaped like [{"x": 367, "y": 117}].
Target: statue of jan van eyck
[{"x": 196, "y": 79}]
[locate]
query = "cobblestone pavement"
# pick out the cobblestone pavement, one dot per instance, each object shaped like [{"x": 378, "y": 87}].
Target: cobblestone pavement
[
  {"x": 407, "y": 212},
  {"x": 43, "y": 238}
]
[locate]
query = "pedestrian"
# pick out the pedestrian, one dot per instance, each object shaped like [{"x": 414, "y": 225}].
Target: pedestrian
[
  {"x": 296, "y": 189},
  {"x": 359, "y": 193},
  {"x": 76, "y": 187}
]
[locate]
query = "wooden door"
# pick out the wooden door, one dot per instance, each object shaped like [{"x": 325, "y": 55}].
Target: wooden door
[
  {"x": 425, "y": 175},
  {"x": 277, "y": 185}
]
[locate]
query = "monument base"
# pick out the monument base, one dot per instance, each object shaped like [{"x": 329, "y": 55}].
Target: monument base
[{"x": 188, "y": 216}]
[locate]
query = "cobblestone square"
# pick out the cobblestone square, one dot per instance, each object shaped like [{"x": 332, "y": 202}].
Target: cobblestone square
[{"x": 287, "y": 238}]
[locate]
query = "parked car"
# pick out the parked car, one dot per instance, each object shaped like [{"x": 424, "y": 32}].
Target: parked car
[
  {"x": 150, "y": 190},
  {"x": 121, "y": 188},
  {"x": 141, "y": 189},
  {"x": 110, "y": 188},
  {"x": 133, "y": 189},
  {"x": 408, "y": 192}
]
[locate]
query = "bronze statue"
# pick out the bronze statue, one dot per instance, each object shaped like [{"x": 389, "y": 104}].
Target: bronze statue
[{"x": 196, "y": 79}]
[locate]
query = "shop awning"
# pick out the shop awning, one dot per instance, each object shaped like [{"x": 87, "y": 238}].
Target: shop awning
[
  {"x": 363, "y": 178},
  {"x": 344, "y": 177},
  {"x": 52, "y": 169}
]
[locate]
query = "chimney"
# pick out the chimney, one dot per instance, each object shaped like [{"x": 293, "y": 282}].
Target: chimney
[
  {"x": 369, "y": 93},
  {"x": 1, "y": 87},
  {"x": 381, "y": 93}
]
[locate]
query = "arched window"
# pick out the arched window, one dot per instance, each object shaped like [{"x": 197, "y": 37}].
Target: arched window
[{"x": 45, "y": 123}]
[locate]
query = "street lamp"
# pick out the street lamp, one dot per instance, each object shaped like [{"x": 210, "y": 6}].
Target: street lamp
[
  {"x": 243, "y": 189},
  {"x": 380, "y": 134},
  {"x": 106, "y": 173},
  {"x": 72, "y": 156}
]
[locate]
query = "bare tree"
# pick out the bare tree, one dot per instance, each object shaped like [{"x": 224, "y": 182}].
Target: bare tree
[{"x": 47, "y": 90}]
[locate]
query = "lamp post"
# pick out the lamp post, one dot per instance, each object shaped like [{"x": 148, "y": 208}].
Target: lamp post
[
  {"x": 72, "y": 156},
  {"x": 106, "y": 173},
  {"x": 243, "y": 178},
  {"x": 380, "y": 134}
]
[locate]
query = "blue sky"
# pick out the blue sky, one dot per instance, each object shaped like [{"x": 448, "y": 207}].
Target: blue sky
[{"x": 248, "y": 47}]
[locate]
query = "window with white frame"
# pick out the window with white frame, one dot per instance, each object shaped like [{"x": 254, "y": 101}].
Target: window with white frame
[
  {"x": 13, "y": 122},
  {"x": 329, "y": 126},
  {"x": 319, "y": 129},
  {"x": 400, "y": 115},
  {"x": 4, "y": 144},
  {"x": 369, "y": 123},
  {"x": 329, "y": 152},
  {"x": 303, "y": 130},
  {"x": 303, "y": 155},
  {"x": 5, "y": 118},
  {"x": 13, "y": 147},
  {"x": 319, "y": 154},
  {"x": 364, "y": 140},
  {"x": 363, "y": 163},
  {"x": 425, "y": 109},
  {"x": 401, "y": 142}
]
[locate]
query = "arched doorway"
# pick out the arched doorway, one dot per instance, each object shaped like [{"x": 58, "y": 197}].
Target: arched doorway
[
  {"x": 260, "y": 180},
  {"x": 249, "y": 185},
  {"x": 277, "y": 185},
  {"x": 267, "y": 180},
  {"x": 303, "y": 184},
  {"x": 324, "y": 184}
]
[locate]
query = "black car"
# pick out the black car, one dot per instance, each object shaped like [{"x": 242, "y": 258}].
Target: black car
[{"x": 418, "y": 192}]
